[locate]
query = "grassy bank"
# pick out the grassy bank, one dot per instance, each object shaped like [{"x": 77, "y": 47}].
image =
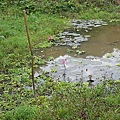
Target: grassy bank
[
  {"x": 69, "y": 101},
  {"x": 13, "y": 40}
]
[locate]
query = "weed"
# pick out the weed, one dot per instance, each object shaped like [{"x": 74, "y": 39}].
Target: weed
[
  {"x": 56, "y": 100},
  {"x": 23, "y": 113}
]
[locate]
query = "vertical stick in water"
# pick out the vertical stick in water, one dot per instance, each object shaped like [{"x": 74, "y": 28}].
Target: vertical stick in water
[{"x": 32, "y": 56}]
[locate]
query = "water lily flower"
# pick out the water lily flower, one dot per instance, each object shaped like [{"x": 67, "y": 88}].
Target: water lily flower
[
  {"x": 64, "y": 62},
  {"x": 49, "y": 38}
]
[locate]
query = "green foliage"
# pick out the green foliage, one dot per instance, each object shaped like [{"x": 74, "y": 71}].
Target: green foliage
[
  {"x": 45, "y": 44},
  {"x": 68, "y": 101},
  {"x": 53, "y": 70},
  {"x": 23, "y": 113},
  {"x": 118, "y": 64},
  {"x": 51, "y": 58},
  {"x": 80, "y": 52},
  {"x": 109, "y": 55},
  {"x": 61, "y": 7},
  {"x": 13, "y": 40},
  {"x": 56, "y": 100}
]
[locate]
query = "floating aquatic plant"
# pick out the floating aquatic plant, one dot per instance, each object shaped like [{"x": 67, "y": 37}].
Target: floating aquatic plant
[
  {"x": 118, "y": 64},
  {"x": 80, "y": 52},
  {"x": 75, "y": 47},
  {"x": 69, "y": 50},
  {"x": 51, "y": 58},
  {"x": 109, "y": 55},
  {"x": 54, "y": 70}
]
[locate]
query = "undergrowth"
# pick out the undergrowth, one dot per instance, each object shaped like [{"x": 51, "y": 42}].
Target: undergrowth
[
  {"x": 56, "y": 100},
  {"x": 64, "y": 101}
]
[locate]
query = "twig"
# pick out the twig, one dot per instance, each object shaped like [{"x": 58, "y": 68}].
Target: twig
[{"x": 32, "y": 56}]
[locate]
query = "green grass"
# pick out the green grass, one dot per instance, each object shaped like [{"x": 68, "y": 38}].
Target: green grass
[
  {"x": 40, "y": 26},
  {"x": 69, "y": 101},
  {"x": 13, "y": 33}
]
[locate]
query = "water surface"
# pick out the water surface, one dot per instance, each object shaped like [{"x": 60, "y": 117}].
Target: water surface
[
  {"x": 101, "y": 40},
  {"x": 101, "y": 43}
]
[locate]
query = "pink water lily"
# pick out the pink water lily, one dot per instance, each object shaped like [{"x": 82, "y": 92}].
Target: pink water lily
[
  {"x": 64, "y": 61},
  {"x": 49, "y": 38}
]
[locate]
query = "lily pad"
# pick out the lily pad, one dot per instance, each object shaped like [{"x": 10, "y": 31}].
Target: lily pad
[
  {"x": 80, "y": 52},
  {"x": 118, "y": 64},
  {"x": 54, "y": 70},
  {"x": 109, "y": 55}
]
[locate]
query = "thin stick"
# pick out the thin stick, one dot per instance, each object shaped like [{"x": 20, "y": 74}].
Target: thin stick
[{"x": 32, "y": 56}]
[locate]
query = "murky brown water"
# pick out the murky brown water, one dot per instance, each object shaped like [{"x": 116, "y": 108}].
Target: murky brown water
[{"x": 103, "y": 39}]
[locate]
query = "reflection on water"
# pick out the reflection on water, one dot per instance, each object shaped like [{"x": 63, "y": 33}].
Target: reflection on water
[
  {"x": 103, "y": 39},
  {"x": 80, "y": 69}
]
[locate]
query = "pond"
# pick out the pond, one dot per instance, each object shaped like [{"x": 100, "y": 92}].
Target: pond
[{"x": 89, "y": 48}]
